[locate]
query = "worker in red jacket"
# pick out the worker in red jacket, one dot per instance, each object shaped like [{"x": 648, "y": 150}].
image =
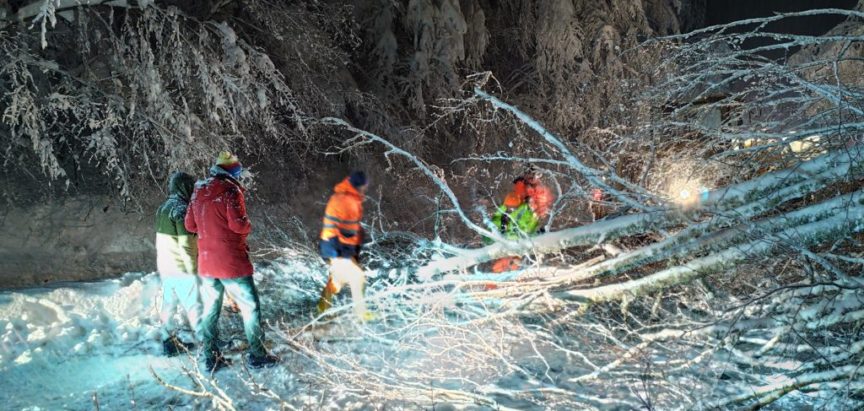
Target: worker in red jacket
[
  {"x": 217, "y": 213},
  {"x": 340, "y": 241}
]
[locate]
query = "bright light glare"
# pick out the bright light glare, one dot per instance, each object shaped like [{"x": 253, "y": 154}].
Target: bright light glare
[
  {"x": 805, "y": 145},
  {"x": 685, "y": 193}
]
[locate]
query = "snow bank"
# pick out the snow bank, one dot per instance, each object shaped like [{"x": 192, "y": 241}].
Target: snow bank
[
  {"x": 74, "y": 345},
  {"x": 68, "y": 321},
  {"x": 59, "y": 346}
]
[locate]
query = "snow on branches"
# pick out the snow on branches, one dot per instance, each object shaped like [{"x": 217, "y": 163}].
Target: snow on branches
[
  {"x": 147, "y": 84},
  {"x": 750, "y": 296}
]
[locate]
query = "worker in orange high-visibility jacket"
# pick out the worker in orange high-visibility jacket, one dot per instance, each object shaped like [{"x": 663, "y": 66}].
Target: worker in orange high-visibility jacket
[
  {"x": 340, "y": 242},
  {"x": 526, "y": 205}
]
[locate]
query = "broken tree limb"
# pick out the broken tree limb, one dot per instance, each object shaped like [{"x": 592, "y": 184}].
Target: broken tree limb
[
  {"x": 849, "y": 221},
  {"x": 733, "y": 203},
  {"x": 696, "y": 241},
  {"x": 592, "y": 175}
]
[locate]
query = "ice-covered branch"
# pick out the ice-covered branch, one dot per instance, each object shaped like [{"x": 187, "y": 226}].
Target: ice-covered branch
[
  {"x": 595, "y": 177},
  {"x": 812, "y": 233},
  {"x": 737, "y": 202}
]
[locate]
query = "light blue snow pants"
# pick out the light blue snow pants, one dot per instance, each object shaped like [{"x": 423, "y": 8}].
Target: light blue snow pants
[{"x": 179, "y": 290}]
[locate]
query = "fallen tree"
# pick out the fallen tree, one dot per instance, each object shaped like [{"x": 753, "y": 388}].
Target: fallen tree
[
  {"x": 750, "y": 297},
  {"x": 723, "y": 207},
  {"x": 745, "y": 299}
]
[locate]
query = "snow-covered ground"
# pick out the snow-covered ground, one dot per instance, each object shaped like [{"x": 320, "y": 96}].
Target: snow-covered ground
[
  {"x": 83, "y": 345},
  {"x": 72, "y": 345}
]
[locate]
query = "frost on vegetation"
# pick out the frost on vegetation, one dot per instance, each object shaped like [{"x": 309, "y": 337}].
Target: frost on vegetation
[
  {"x": 733, "y": 286},
  {"x": 436, "y": 46},
  {"x": 234, "y": 56},
  {"x": 47, "y": 15},
  {"x": 739, "y": 298},
  {"x": 187, "y": 88}
]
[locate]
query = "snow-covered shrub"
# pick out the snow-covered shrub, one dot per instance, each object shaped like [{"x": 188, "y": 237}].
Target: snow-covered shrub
[{"x": 135, "y": 93}]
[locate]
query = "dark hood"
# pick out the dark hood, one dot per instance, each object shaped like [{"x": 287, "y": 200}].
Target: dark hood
[{"x": 182, "y": 185}]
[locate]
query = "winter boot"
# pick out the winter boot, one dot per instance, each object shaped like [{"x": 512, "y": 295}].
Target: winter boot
[
  {"x": 231, "y": 306},
  {"x": 216, "y": 362},
  {"x": 262, "y": 361},
  {"x": 327, "y": 295},
  {"x": 172, "y": 346},
  {"x": 368, "y": 316}
]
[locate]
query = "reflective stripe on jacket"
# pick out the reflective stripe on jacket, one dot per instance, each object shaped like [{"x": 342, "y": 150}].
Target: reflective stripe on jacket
[{"x": 343, "y": 214}]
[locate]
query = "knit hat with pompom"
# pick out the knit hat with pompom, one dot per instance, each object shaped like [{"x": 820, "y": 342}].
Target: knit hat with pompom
[{"x": 229, "y": 162}]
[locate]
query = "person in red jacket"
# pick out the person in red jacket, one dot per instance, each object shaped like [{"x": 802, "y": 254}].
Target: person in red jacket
[
  {"x": 217, "y": 213},
  {"x": 340, "y": 242}
]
